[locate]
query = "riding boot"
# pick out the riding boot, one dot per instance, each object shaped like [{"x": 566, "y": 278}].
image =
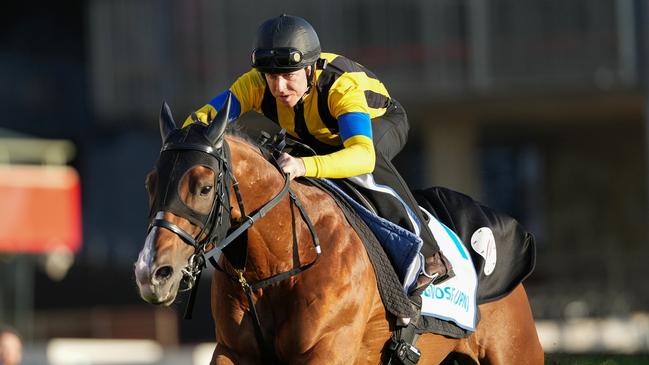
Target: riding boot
[{"x": 437, "y": 268}]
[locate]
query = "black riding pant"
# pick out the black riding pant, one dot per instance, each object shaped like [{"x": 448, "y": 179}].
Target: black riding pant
[{"x": 390, "y": 133}]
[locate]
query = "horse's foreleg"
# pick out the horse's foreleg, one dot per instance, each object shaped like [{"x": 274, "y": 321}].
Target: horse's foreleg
[
  {"x": 337, "y": 344},
  {"x": 224, "y": 356},
  {"x": 350, "y": 328},
  {"x": 221, "y": 357}
]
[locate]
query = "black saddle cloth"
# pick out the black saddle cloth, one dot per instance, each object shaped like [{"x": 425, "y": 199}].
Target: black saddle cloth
[
  {"x": 515, "y": 250},
  {"x": 515, "y": 247}
]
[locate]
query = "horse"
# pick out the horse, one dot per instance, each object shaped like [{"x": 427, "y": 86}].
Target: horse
[{"x": 319, "y": 303}]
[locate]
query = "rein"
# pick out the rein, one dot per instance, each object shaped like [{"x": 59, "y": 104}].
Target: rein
[{"x": 212, "y": 226}]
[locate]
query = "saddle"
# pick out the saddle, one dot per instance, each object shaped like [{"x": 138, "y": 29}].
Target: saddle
[
  {"x": 390, "y": 287},
  {"x": 515, "y": 252},
  {"x": 516, "y": 247}
]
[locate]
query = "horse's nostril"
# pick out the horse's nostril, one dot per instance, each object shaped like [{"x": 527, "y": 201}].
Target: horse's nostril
[{"x": 163, "y": 273}]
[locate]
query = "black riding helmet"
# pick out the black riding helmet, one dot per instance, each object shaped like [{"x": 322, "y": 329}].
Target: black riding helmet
[{"x": 285, "y": 44}]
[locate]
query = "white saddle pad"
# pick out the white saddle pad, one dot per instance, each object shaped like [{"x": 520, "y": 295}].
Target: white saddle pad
[{"x": 455, "y": 299}]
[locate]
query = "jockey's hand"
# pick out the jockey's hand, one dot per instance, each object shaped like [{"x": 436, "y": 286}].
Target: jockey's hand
[{"x": 294, "y": 167}]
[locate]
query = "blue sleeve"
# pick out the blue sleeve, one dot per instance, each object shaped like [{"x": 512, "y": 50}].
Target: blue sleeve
[
  {"x": 235, "y": 106},
  {"x": 355, "y": 124}
]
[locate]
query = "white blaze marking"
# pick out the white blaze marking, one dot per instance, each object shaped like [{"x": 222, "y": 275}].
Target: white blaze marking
[{"x": 145, "y": 259}]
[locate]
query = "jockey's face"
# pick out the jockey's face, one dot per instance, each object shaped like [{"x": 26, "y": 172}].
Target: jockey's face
[{"x": 288, "y": 88}]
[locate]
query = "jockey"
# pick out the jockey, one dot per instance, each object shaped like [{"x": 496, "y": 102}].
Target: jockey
[{"x": 341, "y": 110}]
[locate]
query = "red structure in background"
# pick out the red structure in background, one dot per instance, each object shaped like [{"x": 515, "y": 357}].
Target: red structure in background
[{"x": 40, "y": 209}]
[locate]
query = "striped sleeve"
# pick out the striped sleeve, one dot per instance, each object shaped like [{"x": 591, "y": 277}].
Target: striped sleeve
[
  {"x": 247, "y": 92},
  {"x": 346, "y": 95},
  {"x": 356, "y": 158}
]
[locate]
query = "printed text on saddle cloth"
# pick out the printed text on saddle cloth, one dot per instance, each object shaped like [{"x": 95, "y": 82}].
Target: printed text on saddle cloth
[{"x": 455, "y": 299}]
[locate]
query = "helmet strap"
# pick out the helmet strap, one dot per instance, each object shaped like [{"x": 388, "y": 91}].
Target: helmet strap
[{"x": 310, "y": 76}]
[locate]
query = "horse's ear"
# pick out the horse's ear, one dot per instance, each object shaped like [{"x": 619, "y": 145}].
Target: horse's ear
[
  {"x": 214, "y": 132},
  {"x": 167, "y": 124}
]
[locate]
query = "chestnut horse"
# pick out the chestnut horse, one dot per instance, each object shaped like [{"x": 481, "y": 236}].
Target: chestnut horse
[{"x": 324, "y": 306}]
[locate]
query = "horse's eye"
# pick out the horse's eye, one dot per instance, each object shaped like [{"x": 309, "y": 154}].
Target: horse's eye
[{"x": 206, "y": 190}]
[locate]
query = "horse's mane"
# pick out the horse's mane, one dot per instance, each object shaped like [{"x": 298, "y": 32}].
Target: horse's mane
[{"x": 237, "y": 130}]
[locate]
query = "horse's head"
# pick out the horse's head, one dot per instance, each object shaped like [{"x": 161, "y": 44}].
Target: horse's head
[{"x": 189, "y": 205}]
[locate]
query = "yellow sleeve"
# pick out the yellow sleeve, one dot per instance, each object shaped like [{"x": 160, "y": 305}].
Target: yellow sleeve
[
  {"x": 347, "y": 95},
  {"x": 248, "y": 89},
  {"x": 202, "y": 114},
  {"x": 357, "y": 158}
]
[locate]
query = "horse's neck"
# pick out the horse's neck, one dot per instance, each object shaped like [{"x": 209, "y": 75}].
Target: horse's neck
[{"x": 258, "y": 180}]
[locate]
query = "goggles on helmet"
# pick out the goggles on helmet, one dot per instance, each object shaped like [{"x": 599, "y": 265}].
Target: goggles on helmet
[{"x": 277, "y": 58}]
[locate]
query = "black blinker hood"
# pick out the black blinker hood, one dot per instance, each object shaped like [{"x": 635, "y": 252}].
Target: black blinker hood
[{"x": 182, "y": 150}]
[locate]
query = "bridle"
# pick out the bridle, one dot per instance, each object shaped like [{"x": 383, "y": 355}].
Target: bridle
[
  {"x": 214, "y": 226},
  {"x": 219, "y": 229}
]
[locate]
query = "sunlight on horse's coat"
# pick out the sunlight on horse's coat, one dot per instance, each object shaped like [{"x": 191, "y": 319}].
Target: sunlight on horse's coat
[
  {"x": 157, "y": 272},
  {"x": 145, "y": 259},
  {"x": 331, "y": 313},
  {"x": 144, "y": 263}
]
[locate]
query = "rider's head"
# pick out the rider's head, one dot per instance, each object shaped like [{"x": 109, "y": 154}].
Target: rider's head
[
  {"x": 284, "y": 44},
  {"x": 285, "y": 50}
]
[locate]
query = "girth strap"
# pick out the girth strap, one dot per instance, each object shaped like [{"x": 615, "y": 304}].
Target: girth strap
[{"x": 401, "y": 349}]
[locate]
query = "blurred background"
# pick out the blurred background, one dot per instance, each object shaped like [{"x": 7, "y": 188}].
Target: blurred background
[{"x": 537, "y": 108}]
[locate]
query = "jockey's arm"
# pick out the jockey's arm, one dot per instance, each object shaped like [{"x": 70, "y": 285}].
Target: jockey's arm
[
  {"x": 247, "y": 92},
  {"x": 356, "y": 158},
  {"x": 210, "y": 109}
]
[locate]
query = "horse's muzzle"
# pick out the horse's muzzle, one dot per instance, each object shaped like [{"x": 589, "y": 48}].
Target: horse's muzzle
[{"x": 158, "y": 285}]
